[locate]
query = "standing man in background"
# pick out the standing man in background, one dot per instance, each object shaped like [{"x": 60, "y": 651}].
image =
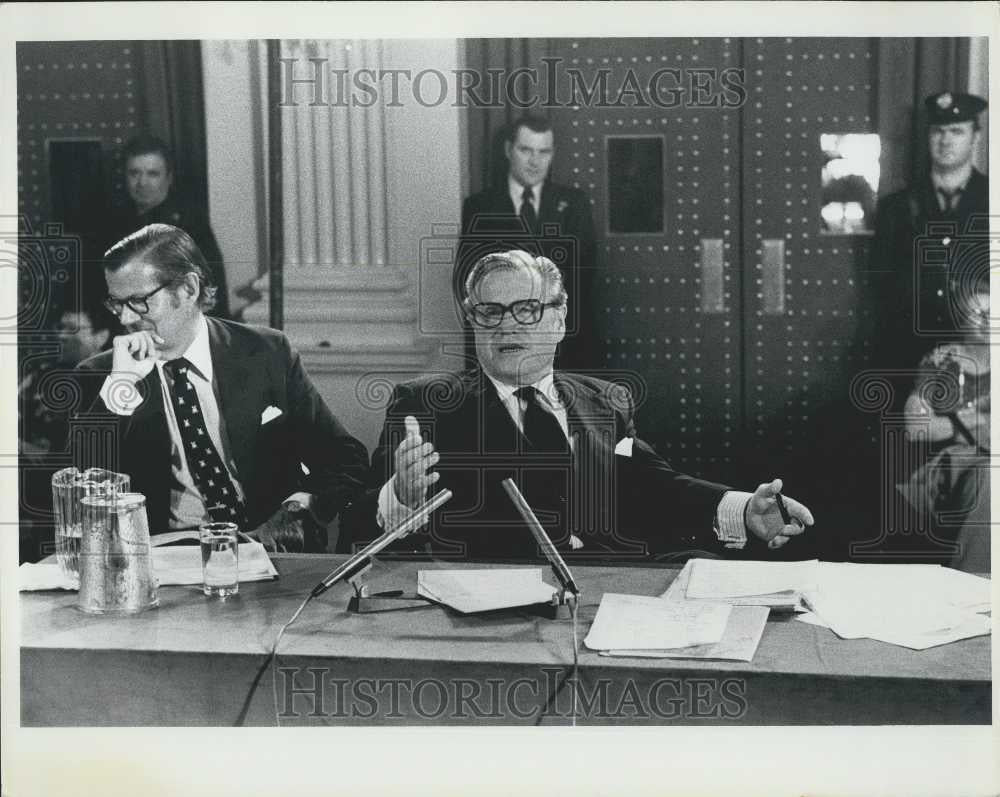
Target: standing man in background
[
  {"x": 528, "y": 211},
  {"x": 149, "y": 178},
  {"x": 914, "y": 297}
]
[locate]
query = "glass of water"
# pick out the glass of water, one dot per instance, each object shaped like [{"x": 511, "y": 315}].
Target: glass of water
[{"x": 220, "y": 559}]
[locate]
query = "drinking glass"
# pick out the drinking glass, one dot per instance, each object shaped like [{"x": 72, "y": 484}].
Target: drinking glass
[{"x": 220, "y": 559}]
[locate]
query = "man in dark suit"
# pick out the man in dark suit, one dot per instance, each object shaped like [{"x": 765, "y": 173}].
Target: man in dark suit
[
  {"x": 567, "y": 440},
  {"x": 213, "y": 420},
  {"x": 929, "y": 236},
  {"x": 528, "y": 211},
  {"x": 149, "y": 178}
]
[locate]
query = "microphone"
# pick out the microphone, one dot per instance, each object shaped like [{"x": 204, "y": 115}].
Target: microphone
[
  {"x": 562, "y": 573},
  {"x": 363, "y": 558}
]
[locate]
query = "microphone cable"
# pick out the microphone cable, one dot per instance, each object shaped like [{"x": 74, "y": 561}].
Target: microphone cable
[
  {"x": 572, "y": 675},
  {"x": 270, "y": 661}
]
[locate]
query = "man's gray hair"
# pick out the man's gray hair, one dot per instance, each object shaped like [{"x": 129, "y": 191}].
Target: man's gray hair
[{"x": 513, "y": 260}]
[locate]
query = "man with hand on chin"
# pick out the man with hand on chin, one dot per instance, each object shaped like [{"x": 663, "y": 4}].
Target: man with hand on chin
[
  {"x": 567, "y": 440},
  {"x": 213, "y": 420}
]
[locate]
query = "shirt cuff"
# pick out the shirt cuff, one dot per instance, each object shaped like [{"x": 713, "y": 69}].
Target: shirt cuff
[
  {"x": 730, "y": 527},
  {"x": 390, "y": 509},
  {"x": 120, "y": 395},
  {"x": 298, "y": 501}
]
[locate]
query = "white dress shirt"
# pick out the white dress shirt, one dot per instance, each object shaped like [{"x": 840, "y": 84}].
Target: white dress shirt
[
  {"x": 729, "y": 525},
  {"x": 187, "y": 508}
]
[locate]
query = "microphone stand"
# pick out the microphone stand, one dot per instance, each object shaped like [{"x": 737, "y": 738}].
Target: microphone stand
[
  {"x": 360, "y": 563},
  {"x": 559, "y": 609}
]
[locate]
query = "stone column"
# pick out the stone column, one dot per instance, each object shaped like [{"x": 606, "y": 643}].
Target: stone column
[{"x": 353, "y": 242}]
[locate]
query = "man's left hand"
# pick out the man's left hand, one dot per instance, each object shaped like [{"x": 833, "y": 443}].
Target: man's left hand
[
  {"x": 283, "y": 532},
  {"x": 763, "y": 517}
]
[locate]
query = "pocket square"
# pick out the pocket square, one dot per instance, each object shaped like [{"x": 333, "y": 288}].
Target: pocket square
[
  {"x": 624, "y": 447},
  {"x": 270, "y": 414}
]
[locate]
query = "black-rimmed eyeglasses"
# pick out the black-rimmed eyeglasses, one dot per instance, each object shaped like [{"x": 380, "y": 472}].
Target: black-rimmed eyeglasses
[
  {"x": 524, "y": 311},
  {"x": 137, "y": 304}
]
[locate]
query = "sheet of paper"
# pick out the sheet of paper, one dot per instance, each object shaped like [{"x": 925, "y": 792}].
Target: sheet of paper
[
  {"x": 484, "y": 589},
  {"x": 718, "y": 578},
  {"x": 637, "y": 622},
  {"x": 974, "y": 625},
  {"x": 916, "y": 606},
  {"x": 739, "y": 641}
]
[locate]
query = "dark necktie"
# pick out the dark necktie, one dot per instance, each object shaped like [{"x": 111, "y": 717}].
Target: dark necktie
[
  {"x": 540, "y": 426},
  {"x": 546, "y": 484},
  {"x": 950, "y": 199},
  {"x": 210, "y": 475},
  {"x": 528, "y": 210}
]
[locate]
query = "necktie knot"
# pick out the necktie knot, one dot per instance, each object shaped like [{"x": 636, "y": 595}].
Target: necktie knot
[
  {"x": 528, "y": 195},
  {"x": 527, "y": 393},
  {"x": 178, "y": 366},
  {"x": 950, "y": 197}
]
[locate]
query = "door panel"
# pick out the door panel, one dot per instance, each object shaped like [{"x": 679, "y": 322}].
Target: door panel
[
  {"x": 667, "y": 288},
  {"x": 803, "y": 286}
]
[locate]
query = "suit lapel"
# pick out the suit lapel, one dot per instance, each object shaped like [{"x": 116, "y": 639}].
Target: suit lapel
[
  {"x": 547, "y": 210},
  {"x": 499, "y": 432},
  {"x": 591, "y": 422},
  {"x": 232, "y": 370}
]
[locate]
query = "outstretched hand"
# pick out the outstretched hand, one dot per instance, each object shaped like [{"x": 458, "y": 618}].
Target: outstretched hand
[
  {"x": 763, "y": 517},
  {"x": 414, "y": 459}
]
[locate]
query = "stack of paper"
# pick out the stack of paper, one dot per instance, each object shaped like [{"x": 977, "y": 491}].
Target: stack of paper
[
  {"x": 778, "y": 585},
  {"x": 635, "y": 625},
  {"x": 484, "y": 590},
  {"x": 912, "y": 605}
]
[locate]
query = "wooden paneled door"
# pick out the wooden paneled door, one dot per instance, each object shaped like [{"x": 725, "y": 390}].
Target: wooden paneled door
[
  {"x": 665, "y": 188},
  {"x": 723, "y": 293}
]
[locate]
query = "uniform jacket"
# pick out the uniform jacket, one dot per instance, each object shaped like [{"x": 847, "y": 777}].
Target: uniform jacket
[{"x": 916, "y": 250}]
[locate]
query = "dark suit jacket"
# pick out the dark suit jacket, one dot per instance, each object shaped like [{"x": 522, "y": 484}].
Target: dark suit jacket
[
  {"x": 902, "y": 220},
  {"x": 565, "y": 235},
  {"x": 254, "y": 368},
  {"x": 614, "y": 504},
  {"x": 125, "y": 220}
]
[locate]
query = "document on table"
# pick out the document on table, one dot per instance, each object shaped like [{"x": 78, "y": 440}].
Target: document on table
[
  {"x": 787, "y": 600},
  {"x": 173, "y": 566},
  {"x": 638, "y": 622},
  {"x": 739, "y": 641},
  {"x": 914, "y": 606},
  {"x": 484, "y": 590},
  {"x": 180, "y": 565},
  {"x": 722, "y": 579}
]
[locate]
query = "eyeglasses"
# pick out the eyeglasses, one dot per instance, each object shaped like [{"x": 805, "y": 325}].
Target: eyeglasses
[
  {"x": 524, "y": 311},
  {"x": 137, "y": 304}
]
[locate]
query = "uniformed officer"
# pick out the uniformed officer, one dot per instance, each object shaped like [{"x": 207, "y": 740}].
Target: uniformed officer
[{"x": 930, "y": 235}]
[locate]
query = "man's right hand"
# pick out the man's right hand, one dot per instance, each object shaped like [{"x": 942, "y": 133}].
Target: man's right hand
[
  {"x": 136, "y": 353},
  {"x": 414, "y": 458}
]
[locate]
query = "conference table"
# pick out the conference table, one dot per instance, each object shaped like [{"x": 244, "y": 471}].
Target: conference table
[{"x": 200, "y": 661}]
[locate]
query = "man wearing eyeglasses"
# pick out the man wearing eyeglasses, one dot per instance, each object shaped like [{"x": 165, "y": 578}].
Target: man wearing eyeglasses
[
  {"x": 214, "y": 420},
  {"x": 567, "y": 440}
]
